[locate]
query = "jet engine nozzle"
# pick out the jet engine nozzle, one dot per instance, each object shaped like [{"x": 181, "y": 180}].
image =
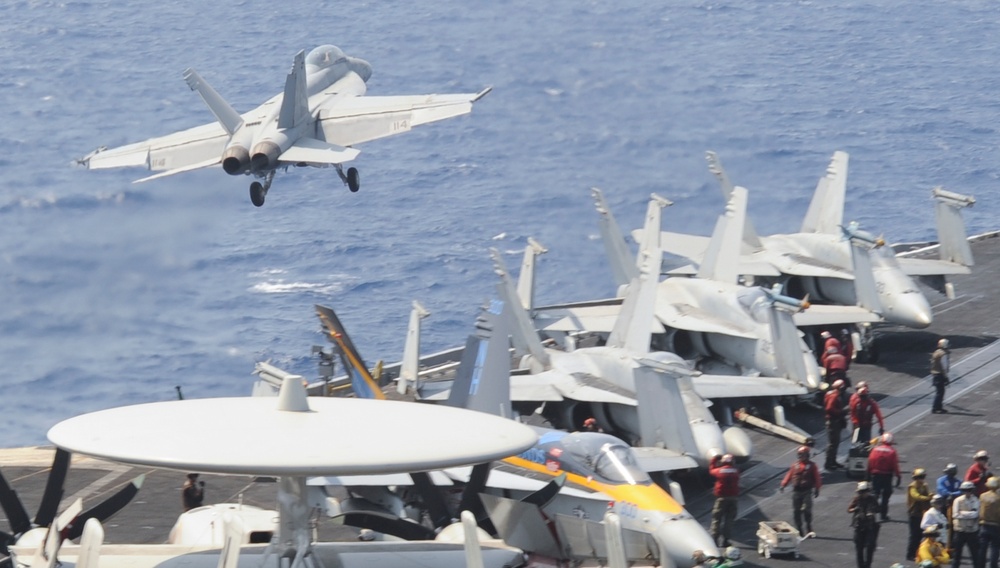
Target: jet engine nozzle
[
  {"x": 264, "y": 156},
  {"x": 235, "y": 160}
]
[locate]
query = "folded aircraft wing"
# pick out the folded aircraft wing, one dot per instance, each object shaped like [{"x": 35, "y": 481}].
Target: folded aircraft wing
[
  {"x": 597, "y": 316},
  {"x": 189, "y": 149},
  {"x": 802, "y": 265},
  {"x": 930, "y": 266},
  {"x": 662, "y": 459},
  {"x": 823, "y": 315},
  {"x": 556, "y": 386},
  {"x": 691, "y": 318},
  {"x": 738, "y": 386},
  {"x": 346, "y": 121}
]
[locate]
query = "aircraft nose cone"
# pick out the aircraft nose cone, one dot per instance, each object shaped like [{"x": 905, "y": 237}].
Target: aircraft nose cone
[
  {"x": 680, "y": 538},
  {"x": 912, "y": 310}
]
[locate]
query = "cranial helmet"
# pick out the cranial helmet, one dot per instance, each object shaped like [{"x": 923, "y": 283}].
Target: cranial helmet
[
  {"x": 887, "y": 438},
  {"x": 943, "y": 343},
  {"x": 727, "y": 458},
  {"x": 838, "y": 384},
  {"x": 981, "y": 454},
  {"x": 825, "y": 335},
  {"x": 803, "y": 450},
  {"x": 733, "y": 553},
  {"x": 967, "y": 486},
  {"x": 919, "y": 472},
  {"x": 951, "y": 468},
  {"x": 864, "y": 486}
]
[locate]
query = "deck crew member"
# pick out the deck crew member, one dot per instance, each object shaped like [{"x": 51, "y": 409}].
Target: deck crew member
[
  {"x": 805, "y": 480},
  {"x": 193, "y": 492},
  {"x": 836, "y": 421},
  {"x": 948, "y": 488},
  {"x": 883, "y": 464},
  {"x": 863, "y": 409},
  {"x": 727, "y": 492},
  {"x": 918, "y": 501},
  {"x": 989, "y": 523},
  {"x": 979, "y": 471},
  {"x": 940, "y": 367},
  {"x": 965, "y": 523},
  {"x": 835, "y": 365},
  {"x": 864, "y": 508},
  {"x": 931, "y": 550}
]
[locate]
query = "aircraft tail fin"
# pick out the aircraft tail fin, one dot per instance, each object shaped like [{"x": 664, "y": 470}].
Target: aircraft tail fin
[
  {"x": 715, "y": 166},
  {"x": 826, "y": 210},
  {"x": 362, "y": 382},
  {"x": 663, "y": 420},
  {"x": 950, "y": 226},
  {"x": 865, "y": 289},
  {"x": 633, "y": 327},
  {"x": 788, "y": 353},
  {"x": 482, "y": 381},
  {"x": 622, "y": 267},
  {"x": 230, "y": 120},
  {"x": 721, "y": 261},
  {"x": 523, "y": 329},
  {"x": 409, "y": 371},
  {"x": 295, "y": 103},
  {"x": 526, "y": 278}
]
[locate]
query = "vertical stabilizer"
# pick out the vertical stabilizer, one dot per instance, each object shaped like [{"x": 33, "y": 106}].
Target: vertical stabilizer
[
  {"x": 750, "y": 237},
  {"x": 826, "y": 210},
  {"x": 663, "y": 421},
  {"x": 526, "y": 278},
  {"x": 622, "y": 267},
  {"x": 633, "y": 327},
  {"x": 865, "y": 289},
  {"x": 230, "y": 120},
  {"x": 362, "y": 382},
  {"x": 950, "y": 226},
  {"x": 482, "y": 382},
  {"x": 651, "y": 226},
  {"x": 721, "y": 261},
  {"x": 409, "y": 371},
  {"x": 295, "y": 103},
  {"x": 523, "y": 329},
  {"x": 788, "y": 354}
]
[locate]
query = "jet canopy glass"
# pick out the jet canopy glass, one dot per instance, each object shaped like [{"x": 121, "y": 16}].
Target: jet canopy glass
[
  {"x": 325, "y": 56},
  {"x": 590, "y": 454}
]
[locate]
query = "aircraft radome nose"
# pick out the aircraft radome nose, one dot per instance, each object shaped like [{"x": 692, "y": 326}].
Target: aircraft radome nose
[
  {"x": 913, "y": 310},
  {"x": 681, "y": 538}
]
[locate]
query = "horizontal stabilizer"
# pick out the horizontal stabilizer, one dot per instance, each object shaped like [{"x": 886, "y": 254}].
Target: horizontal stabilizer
[
  {"x": 522, "y": 525},
  {"x": 312, "y": 151},
  {"x": 827, "y": 315},
  {"x": 662, "y": 459},
  {"x": 738, "y": 386},
  {"x": 586, "y": 316}
]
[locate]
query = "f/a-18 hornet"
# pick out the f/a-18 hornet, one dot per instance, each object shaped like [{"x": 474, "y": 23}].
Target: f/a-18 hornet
[{"x": 316, "y": 122}]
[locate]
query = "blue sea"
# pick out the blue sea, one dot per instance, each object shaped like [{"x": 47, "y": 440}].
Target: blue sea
[{"x": 115, "y": 293}]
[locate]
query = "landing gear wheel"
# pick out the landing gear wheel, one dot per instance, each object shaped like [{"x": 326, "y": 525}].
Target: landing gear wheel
[
  {"x": 353, "y": 180},
  {"x": 257, "y": 193}
]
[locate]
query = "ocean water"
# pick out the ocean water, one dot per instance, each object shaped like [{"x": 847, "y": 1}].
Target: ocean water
[{"x": 113, "y": 293}]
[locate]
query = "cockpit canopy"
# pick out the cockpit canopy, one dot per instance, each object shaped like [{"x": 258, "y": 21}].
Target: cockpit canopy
[
  {"x": 327, "y": 64},
  {"x": 590, "y": 454}
]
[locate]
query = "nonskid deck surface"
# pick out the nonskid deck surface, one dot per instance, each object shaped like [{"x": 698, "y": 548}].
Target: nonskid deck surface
[{"x": 899, "y": 382}]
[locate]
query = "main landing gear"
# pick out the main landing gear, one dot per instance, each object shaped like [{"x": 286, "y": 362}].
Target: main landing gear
[
  {"x": 352, "y": 178},
  {"x": 258, "y": 191}
]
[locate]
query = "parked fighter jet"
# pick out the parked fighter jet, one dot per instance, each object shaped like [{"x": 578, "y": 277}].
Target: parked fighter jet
[
  {"x": 597, "y": 472},
  {"x": 817, "y": 260},
  {"x": 726, "y": 327},
  {"x": 316, "y": 122}
]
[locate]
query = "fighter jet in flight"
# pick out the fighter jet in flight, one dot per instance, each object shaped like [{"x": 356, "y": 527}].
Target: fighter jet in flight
[{"x": 315, "y": 122}]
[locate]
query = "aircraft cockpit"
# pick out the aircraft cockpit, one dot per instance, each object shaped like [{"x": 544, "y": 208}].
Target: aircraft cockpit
[
  {"x": 327, "y": 64},
  {"x": 591, "y": 454}
]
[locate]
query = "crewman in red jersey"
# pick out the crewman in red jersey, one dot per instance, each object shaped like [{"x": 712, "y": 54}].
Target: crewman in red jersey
[
  {"x": 727, "y": 492},
  {"x": 836, "y": 421},
  {"x": 805, "y": 481},
  {"x": 979, "y": 471},
  {"x": 883, "y": 464},
  {"x": 863, "y": 409}
]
